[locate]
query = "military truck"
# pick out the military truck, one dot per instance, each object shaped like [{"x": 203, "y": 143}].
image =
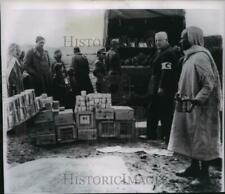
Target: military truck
[{"x": 135, "y": 30}]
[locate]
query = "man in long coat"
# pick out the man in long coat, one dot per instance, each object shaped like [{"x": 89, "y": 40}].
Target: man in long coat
[
  {"x": 99, "y": 71},
  {"x": 162, "y": 87},
  {"x": 113, "y": 67},
  {"x": 197, "y": 134},
  {"x": 80, "y": 67},
  {"x": 37, "y": 65}
]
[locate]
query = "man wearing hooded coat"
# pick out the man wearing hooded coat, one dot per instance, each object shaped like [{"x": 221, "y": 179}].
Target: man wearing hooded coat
[{"x": 197, "y": 134}]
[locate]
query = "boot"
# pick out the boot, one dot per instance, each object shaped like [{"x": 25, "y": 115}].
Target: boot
[
  {"x": 204, "y": 172},
  {"x": 203, "y": 176},
  {"x": 191, "y": 171}
]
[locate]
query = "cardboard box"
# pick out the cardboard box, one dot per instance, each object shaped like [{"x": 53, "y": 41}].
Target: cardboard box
[
  {"x": 123, "y": 112},
  {"x": 107, "y": 129},
  {"x": 44, "y": 117},
  {"x": 46, "y": 139},
  {"x": 85, "y": 120},
  {"x": 104, "y": 114},
  {"x": 87, "y": 134},
  {"x": 66, "y": 133},
  {"x": 126, "y": 129},
  {"x": 64, "y": 117}
]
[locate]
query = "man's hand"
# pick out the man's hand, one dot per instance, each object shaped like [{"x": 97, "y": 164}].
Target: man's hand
[
  {"x": 160, "y": 92},
  {"x": 195, "y": 102},
  {"x": 177, "y": 97}
]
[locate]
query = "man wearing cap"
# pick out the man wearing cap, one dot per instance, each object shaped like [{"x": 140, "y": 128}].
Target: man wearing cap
[
  {"x": 99, "y": 71},
  {"x": 80, "y": 67},
  {"x": 37, "y": 65},
  {"x": 162, "y": 87}
]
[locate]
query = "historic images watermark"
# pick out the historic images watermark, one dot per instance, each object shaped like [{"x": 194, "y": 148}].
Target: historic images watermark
[
  {"x": 123, "y": 179},
  {"x": 72, "y": 41}
]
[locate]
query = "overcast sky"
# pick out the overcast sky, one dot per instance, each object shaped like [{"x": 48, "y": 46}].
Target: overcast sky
[{"x": 23, "y": 26}]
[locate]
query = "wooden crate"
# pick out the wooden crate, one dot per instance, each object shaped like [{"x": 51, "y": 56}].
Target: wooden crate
[
  {"x": 104, "y": 114},
  {"x": 47, "y": 139},
  {"x": 107, "y": 129},
  {"x": 66, "y": 133},
  {"x": 85, "y": 120},
  {"x": 64, "y": 117},
  {"x": 123, "y": 112},
  {"x": 126, "y": 129},
  {"x": 87, "y": 134},
  {"x": 43, "y": 117},
  {"x": 44, "y": 128}
]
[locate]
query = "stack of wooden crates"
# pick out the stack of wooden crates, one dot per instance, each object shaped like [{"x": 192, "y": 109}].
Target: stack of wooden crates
[
  {"x": 106, "y": 123},
  {"x": 65, "y": 126},
  {"x": 45, "y": 128},
  {"x": 86, "y": 125}
]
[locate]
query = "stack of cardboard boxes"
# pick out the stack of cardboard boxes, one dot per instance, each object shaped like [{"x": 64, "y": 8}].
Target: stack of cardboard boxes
[
  {"x": 54, "y": 124},
  {"x": 21, "y": 107},
  {"x": 85, "y": 114}
]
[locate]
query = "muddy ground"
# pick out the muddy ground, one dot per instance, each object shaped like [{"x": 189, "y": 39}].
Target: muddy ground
[{"x": 162, "y": 168}]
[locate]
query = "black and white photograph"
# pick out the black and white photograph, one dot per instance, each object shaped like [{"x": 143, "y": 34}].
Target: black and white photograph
[{"x": 112, "y": 96}]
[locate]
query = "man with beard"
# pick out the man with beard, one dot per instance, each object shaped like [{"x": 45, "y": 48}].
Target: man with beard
[
  {"x": 197, "y": 134},
  {"x": 37, "y": 65}
]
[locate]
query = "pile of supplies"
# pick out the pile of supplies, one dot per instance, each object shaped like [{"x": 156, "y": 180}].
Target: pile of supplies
[
  {"x": 94, "y": 118},
  {"x": 21, "y": 107}
]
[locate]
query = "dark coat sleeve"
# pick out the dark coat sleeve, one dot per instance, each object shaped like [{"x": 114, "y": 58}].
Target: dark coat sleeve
[
  {"x": 169, "y": 71},
  {"x": 28, "y": 63}
]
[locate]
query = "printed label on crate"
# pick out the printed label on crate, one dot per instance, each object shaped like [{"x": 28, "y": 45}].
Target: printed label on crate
[{"x": 85, "y": 119}]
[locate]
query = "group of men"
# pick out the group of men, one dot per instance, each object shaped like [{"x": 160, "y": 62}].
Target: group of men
[
  {"x": 37, "y": 71},
  {"x": 195, "y": 134},
  {"x": 37, "y": 64}
]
